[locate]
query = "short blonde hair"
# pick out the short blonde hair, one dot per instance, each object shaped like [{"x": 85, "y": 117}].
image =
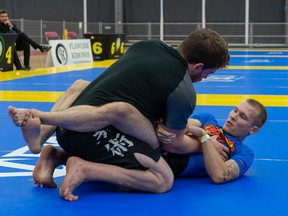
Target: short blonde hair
[{"x": 262, "y": 115}]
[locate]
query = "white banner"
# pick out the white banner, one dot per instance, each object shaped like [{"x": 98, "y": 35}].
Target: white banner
[{"x": 66, "y": 52}]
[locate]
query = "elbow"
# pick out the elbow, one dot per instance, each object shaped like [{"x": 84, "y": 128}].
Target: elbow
[
  {"x": 221, "y": 179},
  {"x": 177, "y": 149},
  {"x": 217, "y": 180},
  {"x": 169, "y": 148}
]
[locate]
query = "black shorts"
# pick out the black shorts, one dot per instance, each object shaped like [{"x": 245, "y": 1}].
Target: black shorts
[{"x": 107, "y": 145}]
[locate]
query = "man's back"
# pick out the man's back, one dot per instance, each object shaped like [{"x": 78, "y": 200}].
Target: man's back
[{"x": 145, "y": 76}]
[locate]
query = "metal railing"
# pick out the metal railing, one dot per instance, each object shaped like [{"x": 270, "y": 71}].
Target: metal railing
[{"x": 258, "y": 35}]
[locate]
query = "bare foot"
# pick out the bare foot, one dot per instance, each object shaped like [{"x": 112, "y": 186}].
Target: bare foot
[
  {"x": 74, "y": 177},
  {"x": 17, "y": 115},
  {"x": 50, "y": 158},
  {"x": 31, "y": 129}
]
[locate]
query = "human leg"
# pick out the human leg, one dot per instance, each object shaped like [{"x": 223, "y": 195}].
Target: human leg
[
  {"x": 157, "y": 179},
  {"x": 16, "y": 61},
  {"x": 35, "y": 133},
  {"x": 22, "y": 45},
  {"x": 85, "y": 118},
  {"x": 136, "y": 164},
  {"x": 50, "y": 158},
  {"x": 64, "y": 101},
  {"x": 23, "y": 37},
  {"x": 26, "y": 50}
]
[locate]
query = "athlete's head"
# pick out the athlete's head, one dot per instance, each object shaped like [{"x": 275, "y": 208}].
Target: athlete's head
[
  {"x": 246, "y": 118},
  {"x": 205, "y": 52}
]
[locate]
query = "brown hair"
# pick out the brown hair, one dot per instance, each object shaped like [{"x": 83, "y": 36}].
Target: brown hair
[
  {"x": 205, "y": 46},
  {"x": 3, "y": 11},
  {"x": 262, "y": 115}
]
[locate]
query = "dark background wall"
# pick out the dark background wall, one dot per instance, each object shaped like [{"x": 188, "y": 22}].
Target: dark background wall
[
  {"x": 59, "y": 10},
  {"x": 146, "y": 10}
]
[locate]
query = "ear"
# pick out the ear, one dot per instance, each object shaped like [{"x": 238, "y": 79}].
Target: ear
[
  {"x": 254, "y": 130},
  {"x": 198, "y": 66}
]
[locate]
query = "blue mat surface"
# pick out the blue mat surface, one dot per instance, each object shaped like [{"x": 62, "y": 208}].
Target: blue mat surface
[{"x": 262, "y": 191}]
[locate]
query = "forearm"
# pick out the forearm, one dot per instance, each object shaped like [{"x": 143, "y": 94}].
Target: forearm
[
  {"x": 218, "y": 170},
  {"x": 183, "y": 145},
  {"x": 214, "y": 164}
]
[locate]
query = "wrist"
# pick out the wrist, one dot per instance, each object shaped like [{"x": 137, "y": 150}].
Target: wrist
[{"x": 204, "y": 138}]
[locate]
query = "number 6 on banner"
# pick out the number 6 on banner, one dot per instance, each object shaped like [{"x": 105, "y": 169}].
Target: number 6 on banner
[
  {"x": 97, "y": 48},
  {"x": 122, "y": 48},
  {"x": 113, "y": 48}
]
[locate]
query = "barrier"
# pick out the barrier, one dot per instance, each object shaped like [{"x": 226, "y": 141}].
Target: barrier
[
  {"x": 106, "y": 46},
  {"x": 7, "y": 46},
  {"x": 65, "y": 52}
]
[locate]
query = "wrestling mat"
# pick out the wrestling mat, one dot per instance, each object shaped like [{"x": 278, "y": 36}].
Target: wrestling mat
[{"x": 260, "y": 74}]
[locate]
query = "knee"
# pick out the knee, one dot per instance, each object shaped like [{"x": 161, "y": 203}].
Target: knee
[
  {"x": 78, "y": 86},
  {"x": 21, "y": 34},
  {"x": 122, "y": 108},
  {"x": 161, "y": 175},
  {"x": 165, "y": 185},
  {"x": 80, "y": 83},
  {"x": 120, "y": 111}
]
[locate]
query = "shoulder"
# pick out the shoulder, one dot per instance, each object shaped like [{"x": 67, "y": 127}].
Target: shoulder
[
  {"x": 240, "y": 148},
  {"x": 2, "y": 26},
  {"x": 144, "y": 45},
  {"x": 147, "y": 42},
  {"x": 205, "y": 118},
  {"x": 154, "y": 43}
]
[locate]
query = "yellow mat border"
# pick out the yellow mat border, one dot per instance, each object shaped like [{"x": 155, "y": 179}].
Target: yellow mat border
[
  {"x": 202, "y": 99},
  {"x": 13, "y": 75}
]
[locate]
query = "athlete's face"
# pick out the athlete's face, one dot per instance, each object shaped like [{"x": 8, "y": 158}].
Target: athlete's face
[
  {"x": 240, "y": 122},
  {"x": 197, "y": 72}
]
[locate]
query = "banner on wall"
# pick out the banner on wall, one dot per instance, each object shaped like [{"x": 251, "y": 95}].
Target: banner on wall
[
  {"x": 7, "y": 46},
  {"x": 66, "y": 52},
  {"x": 106, "y": 46}
]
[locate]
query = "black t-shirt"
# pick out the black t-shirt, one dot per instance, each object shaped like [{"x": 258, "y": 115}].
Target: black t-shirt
[{"x": 152, "y": 77}]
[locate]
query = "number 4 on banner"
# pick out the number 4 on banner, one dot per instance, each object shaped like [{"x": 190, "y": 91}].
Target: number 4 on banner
[{"x": 8, "y": 55}]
